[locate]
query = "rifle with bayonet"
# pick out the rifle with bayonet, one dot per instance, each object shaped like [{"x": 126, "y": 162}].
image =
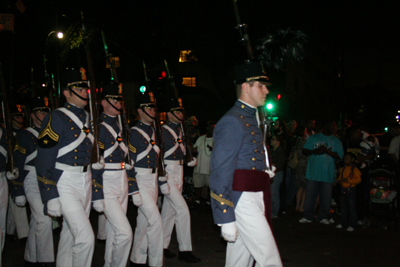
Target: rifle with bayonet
[
  {"x": 158, "y": 131},
  {"x": 7, "y": 123},
  {"x": 242, "y": 28},
  {"x": 185, "y": 132},
  {"x": 123, "y": 116},
  {"x": 93, "y": 102}
]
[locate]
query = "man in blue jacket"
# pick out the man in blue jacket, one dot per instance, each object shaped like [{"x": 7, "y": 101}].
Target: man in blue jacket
[{"x": 240, "y": 179}]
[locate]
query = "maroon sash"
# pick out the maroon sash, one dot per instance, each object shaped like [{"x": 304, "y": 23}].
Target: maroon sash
[{"x": 254, "y": 181}]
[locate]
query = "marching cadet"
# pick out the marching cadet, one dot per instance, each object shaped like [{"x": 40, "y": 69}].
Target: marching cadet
[
  {"x": 17, "y": 217},
  {"x": 63, "y": 171},
  {"x": 111, "y": 183},
  {"x": 175, "y": 210},
  {"x": 144, "y": 152},
  {"x": 39, "y": 246},
  {"x": 239, "y": 180},
  {"x": 3, "y": 188}
]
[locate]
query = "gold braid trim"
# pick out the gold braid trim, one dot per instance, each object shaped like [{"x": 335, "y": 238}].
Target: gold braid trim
[
  {"x": 222, "y": 200},
  {"x": 17, "y": 183},
  {"x": 132, "y": 148},
  {"x": 45, "y": 181},
  {"x": 131, "y": 179},
  {"x": 19, "y": 148},
  {"x": 49, "y": 131},
  {"x": 97, "y": 185},
  {"x": 101, "y": 145}
]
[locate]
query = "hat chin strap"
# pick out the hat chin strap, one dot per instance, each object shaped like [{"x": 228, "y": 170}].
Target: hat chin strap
[
  {"x": 117, "y": 109},
  {"x": 17, "y": 121},
  {"x": 142, "y": 108},
  {"x": 37, "y": 118},
  {"x": 84, "y": 99},
  {"x": 173, "y": 113}
]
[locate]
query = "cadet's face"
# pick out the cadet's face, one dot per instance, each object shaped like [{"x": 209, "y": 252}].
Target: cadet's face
[
  {"x": 40, "y": 115},
  {"x": 75, "y": 100},
  {"x": 144, "y": 117},
  {"x": 17, "y": 121},
  {"x": 258, "y": 94},
  {"x": 109, "y": 109}
]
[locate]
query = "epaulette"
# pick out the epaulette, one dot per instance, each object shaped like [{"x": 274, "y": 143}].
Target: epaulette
[{"x": 47, "y": 137}]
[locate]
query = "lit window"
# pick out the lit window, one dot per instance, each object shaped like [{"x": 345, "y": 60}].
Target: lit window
[
  {"x": 189, "y": 81},
  {"x": 187, "y": 56}
]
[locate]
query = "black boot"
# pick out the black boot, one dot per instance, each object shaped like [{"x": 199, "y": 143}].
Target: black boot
[
  {"x": 187, "y": 257},
  {"x": 169, "y": 254},
  {"x": 29, "y": 264},
  {"x": 133, "y": 264}
]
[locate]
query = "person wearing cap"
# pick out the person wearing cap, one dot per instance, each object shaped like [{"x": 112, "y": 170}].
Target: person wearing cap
[
  {"x": 174, "y": 209},
  {"x": 17, "y": 217},
  {"x": 110, "y": 185},
  {"x": 240, "y": 179},
  {"x": 144, "y": 151},
  {"x": 39, "y": 247},
  {"x": 63, "y": 170}
]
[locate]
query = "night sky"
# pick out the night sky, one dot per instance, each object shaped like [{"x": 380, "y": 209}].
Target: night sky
[{"x": 364, "y": 32}]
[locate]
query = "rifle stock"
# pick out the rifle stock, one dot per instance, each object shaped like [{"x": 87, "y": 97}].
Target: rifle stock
[{"x": 7, "y": 123}]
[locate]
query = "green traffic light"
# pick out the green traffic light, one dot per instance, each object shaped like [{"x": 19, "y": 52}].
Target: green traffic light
[
  {"x": 142, "y": 89},
  {"x": 270, "y": 106}
]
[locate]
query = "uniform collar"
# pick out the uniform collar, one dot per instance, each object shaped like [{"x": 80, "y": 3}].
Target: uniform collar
[
  {"x": 173, "y": 124},
  {"x": 246, "y": 107},
  {"x": 142, "y": 124},
  {"x": 37, "y": 128},
  {"x": 107, "y": 118},
  {"x": 74, "y": 108}
]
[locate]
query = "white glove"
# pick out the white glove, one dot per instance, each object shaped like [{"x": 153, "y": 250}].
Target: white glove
[
  {"x": 192, "y": 163},
  {"x": 20, "y": 201},
  {"x": 129, "y": 166},
  {"x": 99, "y": 205},
  {"x": 165, "y": 189},
  {"x": 271, "y": 172},
  {"x": 14, "y": 174},
  {"x": 99, "y": 165},
  {"x": 163, "y": 178},
  {"x": 137, "y": 199},
  {"x": 54, "y": 207},
  {"x": 229, "y": 231}
]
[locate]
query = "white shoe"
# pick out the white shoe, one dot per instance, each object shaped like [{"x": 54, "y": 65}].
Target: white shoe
[
  {"x": 359, "y": 222},
  {"x": 324, "y": 221},
  {"x": 331, "y": 220},
  {"x": 350, "y": 229},
  {"x": 333, "y": 203},
  {"x": 339, "y": 226},
  {"x": 304, "y": 220}
]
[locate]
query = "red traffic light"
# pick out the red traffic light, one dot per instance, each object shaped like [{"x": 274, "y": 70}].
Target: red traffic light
[{"x": 278, "y": 97}]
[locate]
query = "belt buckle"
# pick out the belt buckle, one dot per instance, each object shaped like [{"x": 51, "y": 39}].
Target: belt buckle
[
  {"x": 84, "y": 168},
  {"x": 153, "y": 170},
  {"x": 181, "y": 162}
]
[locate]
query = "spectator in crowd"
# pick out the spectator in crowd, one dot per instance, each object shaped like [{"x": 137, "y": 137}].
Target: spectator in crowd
[
  {"x": 301, "y": 169},
  {"x": 394, "y": 147},
  {"x": 349, "y": 177},
  {"x": 290, "y": 176},
  {"x": 367, "y": 148},
  {"x": 280, "y": 128},
  {"x": 310, "y": 126},
  {"x": 323, "y": 150},
  {"x": 194, "y": 132},
  {"x": 386, "y": 138},
  {"x": 278, "y": 158},
  {"x": 292, "y": 127},
  {"x": 203, "y": 147}
]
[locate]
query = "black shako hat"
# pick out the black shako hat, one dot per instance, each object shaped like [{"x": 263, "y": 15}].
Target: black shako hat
[
  {"x": 250, "y": 71},
  {"x": 74, "y": 78},
  {"x": 145, "y": 100},
  {"x": 17, "y": 110},
  {"x": 173, "y": 104},
  {"x": 111, "y": 91},
  {"x": 40, "y": 104}
]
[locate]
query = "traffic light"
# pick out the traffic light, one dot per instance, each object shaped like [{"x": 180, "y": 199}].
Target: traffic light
[
  {"x": 269, "y": 106},
  {"x": 142, "y": 89}
]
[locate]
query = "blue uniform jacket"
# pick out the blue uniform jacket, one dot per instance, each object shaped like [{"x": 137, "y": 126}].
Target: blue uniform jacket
[
  {"x": 137, "y": 144},
  {"x": 107, "y": 140},
  {"x": 26, "y": 144},
  {"x": 237, "y": 145},
  {"x": 170, "y": 141},
  {"x": 3, "y": 148},
  {"x": 58, "y": 131}
]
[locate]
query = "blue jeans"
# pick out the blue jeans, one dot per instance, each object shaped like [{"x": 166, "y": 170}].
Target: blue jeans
[
  {"x": 348, "y": 206},
  {"x": 275, "y": 185},
  {"x": 313, "y": 188},
  {"x": 291, "y": 189}
]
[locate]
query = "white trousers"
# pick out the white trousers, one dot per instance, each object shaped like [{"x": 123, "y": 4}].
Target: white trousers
[
  {"x": 3, "y": 208},
  {"x": 148, "y": 232},
  {"x": 175, "y": 211},
  {"x": 39, "y": 246},
  {"x": 101, "y": 227},
  {"x": 17, "y": 218},
  {"x": 76, "y": 244},
  {"x": 118, "y": 230},
  {"x": 255, "y": 240}
]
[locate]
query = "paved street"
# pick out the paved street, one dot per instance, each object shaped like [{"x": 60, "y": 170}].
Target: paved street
[{"x": 300, "y": 245}]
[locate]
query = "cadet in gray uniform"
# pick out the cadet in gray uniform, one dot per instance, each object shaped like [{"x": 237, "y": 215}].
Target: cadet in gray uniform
[
  {"x": 239, "y": 180},
  {"x": 39, "y": 246},
  {"x": 175, "y": 210},
  {"x": 63, "y": 171}
]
